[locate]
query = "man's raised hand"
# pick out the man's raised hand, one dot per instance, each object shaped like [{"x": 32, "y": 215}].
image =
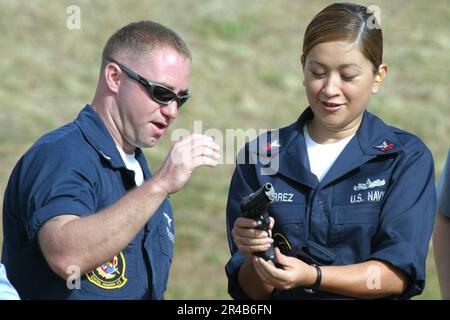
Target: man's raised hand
[{"x": 186, "y": 155}]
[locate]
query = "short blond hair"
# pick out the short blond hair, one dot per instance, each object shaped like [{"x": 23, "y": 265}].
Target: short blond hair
[{"x": 140, "y": 38}]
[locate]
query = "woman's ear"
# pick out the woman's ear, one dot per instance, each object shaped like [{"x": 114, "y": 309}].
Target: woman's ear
[
  {"x": 379, "y": 78},
  {"x": 302, "y": 62}
]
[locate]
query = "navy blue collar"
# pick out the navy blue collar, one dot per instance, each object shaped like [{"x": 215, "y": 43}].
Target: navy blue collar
[
  {"x": 371, "y": 135},
  {"x": 98, "y": 136},
  {"x": 373, "y": 138}
]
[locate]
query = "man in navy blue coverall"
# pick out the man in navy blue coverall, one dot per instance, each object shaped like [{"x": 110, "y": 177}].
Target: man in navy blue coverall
[{"x": 82, "y": 200}]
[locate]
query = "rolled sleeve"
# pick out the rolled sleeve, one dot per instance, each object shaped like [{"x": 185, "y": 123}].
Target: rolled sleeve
[
  {"x": 239, "y": 188},
  {"x": 54, "y": 209},
  {"x": 53, "y": 187},
  {"x": 407, "y": 220},
  {"x": 402, "y": 255},
  {"x": 232, "y": 271}
]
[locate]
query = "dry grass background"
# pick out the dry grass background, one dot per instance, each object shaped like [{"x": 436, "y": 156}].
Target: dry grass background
[{"x": 245, "y": 75}]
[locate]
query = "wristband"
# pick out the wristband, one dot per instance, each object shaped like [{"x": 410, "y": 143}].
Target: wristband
[{"x": 316, "y": 285}]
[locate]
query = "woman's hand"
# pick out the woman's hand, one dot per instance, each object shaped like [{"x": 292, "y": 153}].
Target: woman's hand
[
  {"x": 248, "y": 239},
  {"x": 294, "y": 272}
]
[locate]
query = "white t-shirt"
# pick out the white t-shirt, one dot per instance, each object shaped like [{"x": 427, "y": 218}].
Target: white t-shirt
[
  {"x": 7, "y": 291},
  {"x": 132, "y": 164},
  {"x": 322, "y": 156}
]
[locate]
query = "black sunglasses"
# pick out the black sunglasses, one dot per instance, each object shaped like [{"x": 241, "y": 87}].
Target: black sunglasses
[{"x": 158, "y": 92}]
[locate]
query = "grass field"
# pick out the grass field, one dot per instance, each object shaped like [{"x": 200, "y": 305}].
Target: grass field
[{"x": 245, "y": 75}]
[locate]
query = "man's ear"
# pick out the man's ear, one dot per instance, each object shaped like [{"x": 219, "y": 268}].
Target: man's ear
[
  {"x": 112, "y": 76},
  {"x": 379, "y": 78}
]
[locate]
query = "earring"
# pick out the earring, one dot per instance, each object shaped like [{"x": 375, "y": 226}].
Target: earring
[{"x": 378, "y": 78}]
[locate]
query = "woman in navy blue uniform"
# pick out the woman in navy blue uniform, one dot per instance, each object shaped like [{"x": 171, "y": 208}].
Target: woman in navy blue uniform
[{"x": 354, "y": 200}]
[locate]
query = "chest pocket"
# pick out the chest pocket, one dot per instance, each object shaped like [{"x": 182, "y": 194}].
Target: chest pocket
[
  {"x": 166, "y": 240},
  {"x": 288, "y": 231},
  {"x": 355, "y": 214},
  {"x": 162, "y": 259},
  {"x": 353, "y": 230}
]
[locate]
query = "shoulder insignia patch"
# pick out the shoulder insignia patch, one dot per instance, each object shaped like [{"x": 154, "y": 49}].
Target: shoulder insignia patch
[{"x": 110, "y": 275}]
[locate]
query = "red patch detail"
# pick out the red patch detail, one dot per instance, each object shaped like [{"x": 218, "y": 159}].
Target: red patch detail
[{"x": 390, "y": 146}]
